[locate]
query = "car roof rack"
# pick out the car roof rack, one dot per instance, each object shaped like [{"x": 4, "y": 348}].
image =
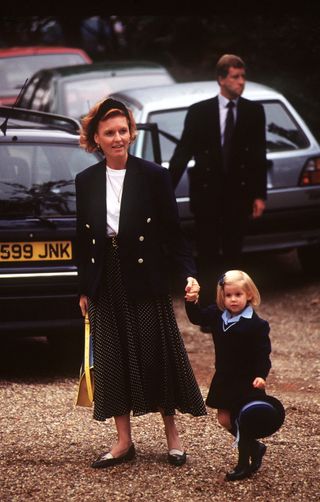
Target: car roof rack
[{"x": 49, "y": 120}]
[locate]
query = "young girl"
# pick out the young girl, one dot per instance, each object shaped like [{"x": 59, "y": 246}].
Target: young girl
[{"x": 242, "y": 363}]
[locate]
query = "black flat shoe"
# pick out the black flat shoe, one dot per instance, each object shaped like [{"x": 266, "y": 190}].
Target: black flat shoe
[
  {"x": 239, "y": 473},
  {"x": 107, "y": 460},
  {"x": 257, "y": 455},
  {"x": 177, "y": 457}
]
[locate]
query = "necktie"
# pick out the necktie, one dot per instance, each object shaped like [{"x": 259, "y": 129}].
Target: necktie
[{"x": 228, "y": 131}]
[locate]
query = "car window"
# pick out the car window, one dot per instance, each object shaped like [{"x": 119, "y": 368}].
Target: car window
[
  {"x": 283, "y": 133},
  {"x": 80, "y": 96},
  {"x": 26, "y": 96},
  {"x": 17, "y": 69},
  {"x": 38, "y": 94},
  {"x": 170, "y": 121},
  {"x": 39, "y": 179},
  {"x": 42, "y": 96}
]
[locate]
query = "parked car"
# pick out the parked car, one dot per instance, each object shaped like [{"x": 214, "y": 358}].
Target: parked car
[
  {"x": 292, "y": 216},
  {"x": 72, "y": 91},
  {"x": 19, "y": 63},
  {"x": 39, "y": 159}
]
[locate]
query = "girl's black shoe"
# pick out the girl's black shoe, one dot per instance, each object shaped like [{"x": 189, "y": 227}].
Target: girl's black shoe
[
  {"x": 257, "y": 452},
  {"x": 243, "y": 468},
  {"x": 239, "y": 472}
]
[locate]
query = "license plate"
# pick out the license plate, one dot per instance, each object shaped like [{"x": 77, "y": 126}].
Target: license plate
[{"x": 35, "y": 251}]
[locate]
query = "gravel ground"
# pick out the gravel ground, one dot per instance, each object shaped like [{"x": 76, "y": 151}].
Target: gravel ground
[{"x": 48, "y": 445}]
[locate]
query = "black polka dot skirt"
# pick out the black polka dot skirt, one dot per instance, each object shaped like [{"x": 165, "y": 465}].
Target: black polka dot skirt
[{"x": 140, "y": 361}]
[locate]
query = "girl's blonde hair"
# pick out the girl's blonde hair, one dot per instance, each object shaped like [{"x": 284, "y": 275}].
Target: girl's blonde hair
[
  {"x": 244, "y": 281},
  {"x": 101, "y": 111}
]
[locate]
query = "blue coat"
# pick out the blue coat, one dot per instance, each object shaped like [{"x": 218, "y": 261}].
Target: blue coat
[
  {"x": 149, "y": 228},
  {"x": 241, "y": 354}
]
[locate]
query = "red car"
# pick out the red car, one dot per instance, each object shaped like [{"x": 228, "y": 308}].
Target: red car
[{"x": 19, "y": 63}]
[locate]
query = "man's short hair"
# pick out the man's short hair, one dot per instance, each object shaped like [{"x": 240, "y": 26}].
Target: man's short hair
[{"x": 227, "y": 61}]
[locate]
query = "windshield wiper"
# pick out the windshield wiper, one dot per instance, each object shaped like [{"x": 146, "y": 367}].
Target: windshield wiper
[{"x": 4, "y": 124}]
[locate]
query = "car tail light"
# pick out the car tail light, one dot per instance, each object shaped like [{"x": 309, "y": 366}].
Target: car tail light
[{"x": 311, "y": 173}]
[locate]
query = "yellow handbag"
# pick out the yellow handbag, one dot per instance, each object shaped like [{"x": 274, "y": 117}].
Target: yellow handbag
[{"x": 85, "y": 389}]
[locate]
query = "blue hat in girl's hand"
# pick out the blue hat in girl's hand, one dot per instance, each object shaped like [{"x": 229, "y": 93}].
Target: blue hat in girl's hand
[{"x": 261, "y": 417}]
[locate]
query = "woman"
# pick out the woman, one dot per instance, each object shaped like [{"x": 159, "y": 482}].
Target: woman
[{"x": 126, "y": 217}]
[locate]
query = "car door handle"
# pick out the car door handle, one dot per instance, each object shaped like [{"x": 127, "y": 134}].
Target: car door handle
[{"x": 269, "y": 164}]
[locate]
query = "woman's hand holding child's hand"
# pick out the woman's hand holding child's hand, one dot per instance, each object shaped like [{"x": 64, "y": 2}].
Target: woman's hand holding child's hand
[
  {"x": 259, "y": 383},
  {"x": 192, "y": 290}
]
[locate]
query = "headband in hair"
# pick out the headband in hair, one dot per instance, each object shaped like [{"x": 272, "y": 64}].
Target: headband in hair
[
  {"x": 108, "y": 104},
  {"x": 221, "y": 280}
]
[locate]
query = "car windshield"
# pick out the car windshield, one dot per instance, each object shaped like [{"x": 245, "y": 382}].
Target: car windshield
[
  {"x": 16, "y": 69},
  {"x": 283, "y": 133},
  {"x": 80, "y": 96},
  {"x": 38, "y": 180}
]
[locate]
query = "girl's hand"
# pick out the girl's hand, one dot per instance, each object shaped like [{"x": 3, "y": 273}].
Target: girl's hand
[
  {"x": 259, "y": 383},
  {"x": 83, "y": 303},
  {"x": 258, "y": 208},
  {"x": 192, "y": 290}
]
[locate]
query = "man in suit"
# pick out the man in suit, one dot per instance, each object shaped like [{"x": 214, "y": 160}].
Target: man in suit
[{"x": 226, "y": 137}]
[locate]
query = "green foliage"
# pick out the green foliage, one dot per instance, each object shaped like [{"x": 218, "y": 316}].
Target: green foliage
[{"x": 281, "y": 49}]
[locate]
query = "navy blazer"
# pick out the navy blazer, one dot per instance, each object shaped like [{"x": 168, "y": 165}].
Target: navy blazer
[
  {"x": 241, "y": 351},
  {"x": 201, "y": 139},
  {"x": 149, "y": 227}
]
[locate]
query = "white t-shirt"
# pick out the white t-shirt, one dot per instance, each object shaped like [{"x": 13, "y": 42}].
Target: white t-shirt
[{"x": 114, "y": 180}]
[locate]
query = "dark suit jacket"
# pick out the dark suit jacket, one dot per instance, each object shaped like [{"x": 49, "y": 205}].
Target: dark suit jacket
[
  {"x": 201, "y": 139},
  {"x": 148, "y": 228}
]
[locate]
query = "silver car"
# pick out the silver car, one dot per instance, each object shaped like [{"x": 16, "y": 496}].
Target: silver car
[
  {"x": 292, "y": 216},
  {"x": 73, "y": 90}
]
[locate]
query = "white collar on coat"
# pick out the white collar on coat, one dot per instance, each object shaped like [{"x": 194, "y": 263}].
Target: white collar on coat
[{"x": 247, "y": 313}]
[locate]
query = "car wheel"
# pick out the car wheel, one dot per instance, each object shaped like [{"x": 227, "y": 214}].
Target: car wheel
[{"x": 309, "y": 258}]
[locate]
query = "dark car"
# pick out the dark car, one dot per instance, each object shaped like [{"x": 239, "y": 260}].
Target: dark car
[
  {"x": 39, "y": 159},
  {"x": 72, "y": 91},
  {"x": 19, "y": 63}
]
